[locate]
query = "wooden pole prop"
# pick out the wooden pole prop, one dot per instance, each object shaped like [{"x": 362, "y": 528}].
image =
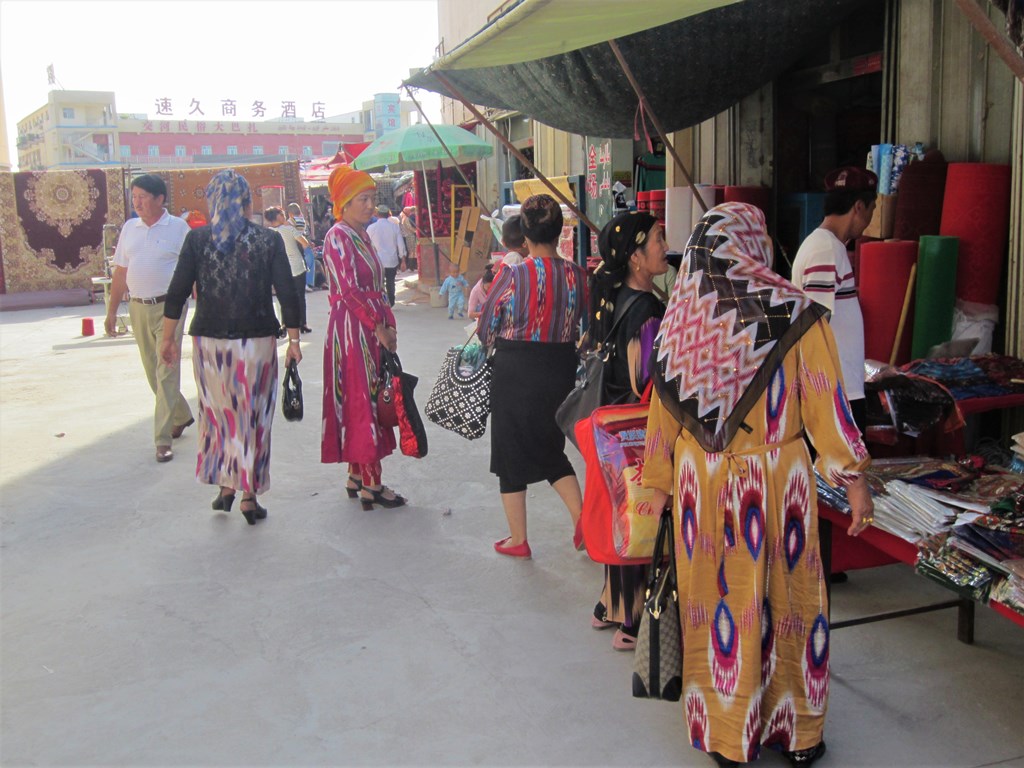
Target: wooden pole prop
[
  {"x": 903, "y": 315},
  {"x": 516, "y": 153},
  {"x": 657, "y": 123}
]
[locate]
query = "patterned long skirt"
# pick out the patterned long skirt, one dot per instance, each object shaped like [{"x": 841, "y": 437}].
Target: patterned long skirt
[{"x": 237, "y": 383}]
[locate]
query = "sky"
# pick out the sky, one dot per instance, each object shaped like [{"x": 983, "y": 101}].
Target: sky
[{"x": 337, "y": 53}]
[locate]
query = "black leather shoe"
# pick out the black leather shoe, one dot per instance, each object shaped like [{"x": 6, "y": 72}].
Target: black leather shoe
[{"x": 805, "y": 757}]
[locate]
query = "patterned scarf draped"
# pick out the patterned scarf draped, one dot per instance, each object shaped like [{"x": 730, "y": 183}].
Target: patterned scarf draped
[
  {"x": 728, "y": 325},
  {"x": 227, "y": 195}
]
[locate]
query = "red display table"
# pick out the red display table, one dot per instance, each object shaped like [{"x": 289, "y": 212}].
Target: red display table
[{"x": 876, "y": 547}]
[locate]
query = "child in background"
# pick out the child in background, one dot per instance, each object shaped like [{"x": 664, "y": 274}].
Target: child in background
[
  {"x": 479, "y": 293},
  {"x": 454, "y": 287},
  {"x": 512, "y": 237}
]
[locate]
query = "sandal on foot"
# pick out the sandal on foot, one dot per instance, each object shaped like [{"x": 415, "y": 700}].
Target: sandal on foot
[
  {"x": 353, "y": 486},
  {"x": 254, "y": 514},
  {"x": 223, "y": 502},
  {"x": 377, "y": 497}
]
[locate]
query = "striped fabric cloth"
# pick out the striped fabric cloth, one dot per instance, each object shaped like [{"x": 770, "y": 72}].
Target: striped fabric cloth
[{"x": 542, "y": 299}]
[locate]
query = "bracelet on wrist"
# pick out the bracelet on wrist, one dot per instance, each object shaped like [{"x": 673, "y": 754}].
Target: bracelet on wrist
[{"x": 293, "y": 341}]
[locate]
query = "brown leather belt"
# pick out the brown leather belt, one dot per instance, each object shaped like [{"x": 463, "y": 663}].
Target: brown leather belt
[{"x": 154, "y": 300}]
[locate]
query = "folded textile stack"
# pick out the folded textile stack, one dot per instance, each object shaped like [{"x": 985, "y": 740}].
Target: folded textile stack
[
  {"x": 956, "y": 571},
  {"x": 1009, "y": 592},
  {"x": 918, "y": 497}
]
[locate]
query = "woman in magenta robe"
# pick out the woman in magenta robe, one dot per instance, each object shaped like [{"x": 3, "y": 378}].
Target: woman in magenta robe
[{"x": 360, "y": 323}]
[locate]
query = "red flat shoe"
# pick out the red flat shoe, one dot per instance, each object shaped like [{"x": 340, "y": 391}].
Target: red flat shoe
[
  {"x": 518, "y": 550},
  {"x": 577, "y": 536}
]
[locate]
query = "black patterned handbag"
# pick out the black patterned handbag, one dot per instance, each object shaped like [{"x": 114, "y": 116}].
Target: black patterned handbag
[
  {"x": 658, "y": 663},
  {"x": 461, "y": 398}
]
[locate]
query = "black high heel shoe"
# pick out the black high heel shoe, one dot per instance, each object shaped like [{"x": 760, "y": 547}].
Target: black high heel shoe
[
  {"x": 252, "y": 515},
  {"x": 353, "y": 492},
  {"x": 378, "y": 497},
  {"x": 223, "y": 503},
  {"x": 805, "y": 757}
]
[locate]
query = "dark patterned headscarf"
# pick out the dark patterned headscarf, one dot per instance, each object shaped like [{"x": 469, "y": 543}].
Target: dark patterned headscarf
[
  {"x": 728, "y": 325},
  {"x": 619, "y": 239},
  {"x": 227, "y": 196}
]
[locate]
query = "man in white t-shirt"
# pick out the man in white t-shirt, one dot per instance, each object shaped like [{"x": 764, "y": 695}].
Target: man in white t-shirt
[
  {"x": 386, "y": 235},
  {"x": 144, "y": 261},
  {"x": 823, "y": 271},
  {"x": 294, "y": 245}
]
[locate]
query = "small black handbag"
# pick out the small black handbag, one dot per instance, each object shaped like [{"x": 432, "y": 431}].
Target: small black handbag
[{"x": 291, "y": 399}]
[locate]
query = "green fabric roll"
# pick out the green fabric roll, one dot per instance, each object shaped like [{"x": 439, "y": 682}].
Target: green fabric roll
[{"x": 935, "y": 293}]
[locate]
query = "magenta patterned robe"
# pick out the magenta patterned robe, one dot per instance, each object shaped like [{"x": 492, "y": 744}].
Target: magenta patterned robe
[{"x": 350, "y": 432}]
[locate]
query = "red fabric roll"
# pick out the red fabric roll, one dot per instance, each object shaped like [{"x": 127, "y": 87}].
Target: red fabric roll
[
  {"x": 884, "y": 274},
  {"x": 976, "y": 209},
  {"x": 858, "y": 246},
  {"x": 759, "y": 196},
  {"x": 919, "y": 202}
]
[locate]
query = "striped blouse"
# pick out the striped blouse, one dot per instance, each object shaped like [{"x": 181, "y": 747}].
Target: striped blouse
[{"x": 541, "y": 299}]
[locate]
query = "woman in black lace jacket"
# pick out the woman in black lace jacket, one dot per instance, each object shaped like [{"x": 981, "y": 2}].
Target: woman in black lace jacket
[{"x": 233, "y": 265}]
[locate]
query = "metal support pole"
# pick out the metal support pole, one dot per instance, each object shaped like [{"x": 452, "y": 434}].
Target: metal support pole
[
  {"x": 444, "y": 146},
  {"x": 518, "y": 155},
  {"x": 656, "y": 122}
]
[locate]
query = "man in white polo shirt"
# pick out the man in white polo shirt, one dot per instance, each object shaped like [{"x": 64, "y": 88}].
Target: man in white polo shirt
[{"x": 144, "y": 261}]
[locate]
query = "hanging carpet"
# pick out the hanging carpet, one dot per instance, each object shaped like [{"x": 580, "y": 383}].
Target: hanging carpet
[{"x": 51, "y": 227}]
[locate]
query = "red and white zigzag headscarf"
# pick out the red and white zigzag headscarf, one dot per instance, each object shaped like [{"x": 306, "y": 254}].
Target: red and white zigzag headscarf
[{"x": 728, "y": 325}]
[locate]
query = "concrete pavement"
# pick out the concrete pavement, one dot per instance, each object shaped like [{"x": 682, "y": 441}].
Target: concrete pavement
[{"x": 141, "y": 628}]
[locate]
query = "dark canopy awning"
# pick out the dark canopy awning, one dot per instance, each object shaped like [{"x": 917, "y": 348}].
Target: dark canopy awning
[{"x": 709, "y": 55}]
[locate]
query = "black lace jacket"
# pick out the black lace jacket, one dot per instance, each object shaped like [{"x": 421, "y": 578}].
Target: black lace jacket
[{"x": 233, "y": 292}]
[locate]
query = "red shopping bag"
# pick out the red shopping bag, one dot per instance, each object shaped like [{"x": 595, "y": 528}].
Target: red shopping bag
[{"x": 620, "y": 524}]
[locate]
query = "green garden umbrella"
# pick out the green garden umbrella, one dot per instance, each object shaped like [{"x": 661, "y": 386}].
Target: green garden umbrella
[{"x": 412, "y": 147}]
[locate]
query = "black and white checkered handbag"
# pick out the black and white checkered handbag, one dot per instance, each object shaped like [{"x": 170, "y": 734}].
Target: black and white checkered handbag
[{"x": 461, "y": 400}]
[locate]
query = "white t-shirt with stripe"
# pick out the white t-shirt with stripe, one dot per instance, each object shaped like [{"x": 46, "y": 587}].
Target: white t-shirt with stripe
[{"x": 823, "y": 271}]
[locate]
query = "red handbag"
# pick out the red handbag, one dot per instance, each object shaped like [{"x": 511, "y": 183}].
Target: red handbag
[
  {"x": 387, "y": 416},
  {"x": 412, "y": 437},
  {"x": 620, "y": 524}
]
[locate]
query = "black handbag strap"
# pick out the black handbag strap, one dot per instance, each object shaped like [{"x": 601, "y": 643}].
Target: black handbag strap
[
  {"x": 665, "y": 538},
  {"x": 618, "y": 319},
  {"x": 389, "y": 362},
  {"x": 292, "y": 373}
]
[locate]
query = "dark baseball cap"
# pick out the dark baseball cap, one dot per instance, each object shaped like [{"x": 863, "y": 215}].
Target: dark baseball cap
[{"x": 851, "y": 179}]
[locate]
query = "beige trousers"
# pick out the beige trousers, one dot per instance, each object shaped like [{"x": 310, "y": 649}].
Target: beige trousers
[{"x": 171, "y": 407}]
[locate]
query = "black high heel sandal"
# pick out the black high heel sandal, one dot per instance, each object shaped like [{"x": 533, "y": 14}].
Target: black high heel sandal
[
  {"x": 223, "y": 503},
  {"x": 353, "y": 492},
  {"x": 805, "y": 757},
  {"x": 378, "y": 497},
  {"x": 252, "y": 515}
]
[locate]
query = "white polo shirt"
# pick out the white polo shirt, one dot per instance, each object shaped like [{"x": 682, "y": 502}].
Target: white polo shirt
[{"x": 150, "y": 254}]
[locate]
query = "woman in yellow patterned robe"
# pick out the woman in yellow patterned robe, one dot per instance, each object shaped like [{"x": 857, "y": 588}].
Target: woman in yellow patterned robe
[{"x": 746, "y": 366}]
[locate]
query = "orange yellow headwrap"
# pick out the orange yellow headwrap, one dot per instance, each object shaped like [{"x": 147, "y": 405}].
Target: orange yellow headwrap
[{"x": 344, "y": 183}]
